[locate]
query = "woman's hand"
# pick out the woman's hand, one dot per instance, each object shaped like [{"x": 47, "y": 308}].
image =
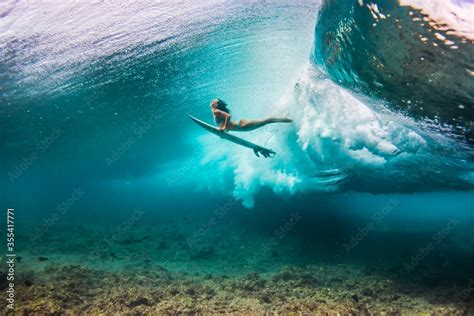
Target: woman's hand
[{"x": 226, "y": 121}]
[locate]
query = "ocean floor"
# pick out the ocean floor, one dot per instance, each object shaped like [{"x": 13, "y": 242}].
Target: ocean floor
[
  {"x": 187, "y": 266},
  {"x": 332, "y": 289}
]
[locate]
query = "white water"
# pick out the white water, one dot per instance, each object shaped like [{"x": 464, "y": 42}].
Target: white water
[{"x": 339, "y": 140}]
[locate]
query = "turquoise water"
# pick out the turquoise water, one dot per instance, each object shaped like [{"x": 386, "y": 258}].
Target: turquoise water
[{"x": 105, "y": 169}]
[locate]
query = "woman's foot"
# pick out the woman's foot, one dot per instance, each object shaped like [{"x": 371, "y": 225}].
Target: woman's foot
[{"x": 278, "y": 120}]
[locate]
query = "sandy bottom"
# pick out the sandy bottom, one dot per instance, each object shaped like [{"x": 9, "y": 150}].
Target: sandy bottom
[{"x": 162, "y": 269}]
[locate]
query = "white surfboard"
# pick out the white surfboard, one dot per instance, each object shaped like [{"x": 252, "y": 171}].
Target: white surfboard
[{"x": 237, "y": 140}]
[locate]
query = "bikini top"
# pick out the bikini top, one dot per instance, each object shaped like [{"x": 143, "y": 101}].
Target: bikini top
[{"x": 218, "y": 120}]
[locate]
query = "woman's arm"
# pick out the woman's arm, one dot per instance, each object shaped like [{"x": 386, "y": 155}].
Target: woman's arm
[
  {"x": 224, "y": 115},
  {"x": 226, "y": 120}
]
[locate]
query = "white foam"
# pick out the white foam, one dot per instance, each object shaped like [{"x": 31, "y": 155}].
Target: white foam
[
  {"x": 457, "y": 15},
  {"x": 332, "y": 130}
]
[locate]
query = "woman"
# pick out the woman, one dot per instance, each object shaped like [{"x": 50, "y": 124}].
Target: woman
[{"x": 222, "y": 116}]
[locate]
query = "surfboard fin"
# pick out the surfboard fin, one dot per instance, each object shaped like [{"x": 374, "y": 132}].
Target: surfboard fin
[{"x": 265, "y": 152}]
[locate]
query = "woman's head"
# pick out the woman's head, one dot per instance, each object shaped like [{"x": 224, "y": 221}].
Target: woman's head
[{"x": 220, "y": 105}]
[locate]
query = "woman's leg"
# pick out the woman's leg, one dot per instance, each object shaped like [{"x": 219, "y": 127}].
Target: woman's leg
[{"x": 250, "y": 125}]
